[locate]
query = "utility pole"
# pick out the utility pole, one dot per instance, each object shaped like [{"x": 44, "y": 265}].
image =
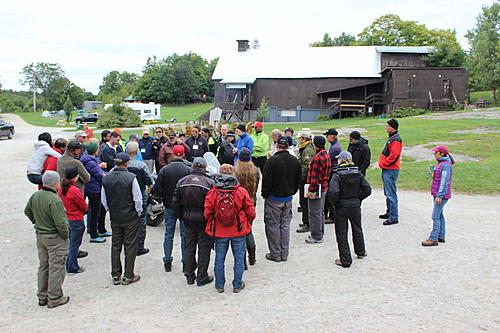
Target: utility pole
[{"x": 34, "y": 100}]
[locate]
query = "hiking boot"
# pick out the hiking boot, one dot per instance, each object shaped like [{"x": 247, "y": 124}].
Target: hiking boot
[
  {"x": 117, "y": 280},
  {"x": 98, "y": 240},
  {"x": 311, "y": 240},
  {"x": 190, "y": 279},
  {"x": 127, "y": 281},
  {"x": 389, "y": 222},
  {"x": 363, "y": 255},
  {"x": 251, "y": 256},
  {"x": 219, "y": 290},
  {"x": 143, "y": 251},
  {"x": 42, "y": 302},
  {"x": 441, "y": 240},
  {"x": 270, "y": 257},
  {"x": 208, "y": 280},
  {"x": 167, "y": 266},
  {"x": 430, "y": 243},
  {"x": 284, "y": 258},
  {"x": 63, "y": 300},
  {"x": 79, "y": 270},
  {"x": 384, "y": 216},
  {"x": 82, "y": 254},
  {"x": 339, "y": 263},
  {"x": 303, "y": 229},
  {"x": 329, "y": 221},
  {"x": 237, "y": 290}
]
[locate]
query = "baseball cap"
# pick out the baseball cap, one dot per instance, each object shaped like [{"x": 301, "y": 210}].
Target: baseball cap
[
  {"x": 258, "y": 124},
  {"x": 122, "y": 158},
  {"x": 199, "y": 162},
  {"x": 331, "y": 131},
  {"x": 145, "y": 131},
  {"x": 230, "y": 133},
  {"x": 441, "y": 149},
  {"x": 344, "y": 155},
  {"x": 171, "y": 135},
  {"x": 133, "y": 136},
  {"x": 178, "y": 150},
  {"x": 74, "y": 145},
  {"x": 289, "y": 129},
  {"x": 305, "y": 133},
  {"x": 283, "y": 141}
]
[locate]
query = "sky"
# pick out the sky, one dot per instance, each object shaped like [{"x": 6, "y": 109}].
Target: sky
[{"x": 91, "y": 38}]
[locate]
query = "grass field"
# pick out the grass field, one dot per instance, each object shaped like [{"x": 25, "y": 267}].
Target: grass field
[
  {"x": 184, "y": 113},
  {"x": 36, "y": 119},
  {"x": 487, "y": 95}
]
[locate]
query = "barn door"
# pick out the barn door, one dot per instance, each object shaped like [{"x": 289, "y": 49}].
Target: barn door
[{"x": 446, "y": 91}]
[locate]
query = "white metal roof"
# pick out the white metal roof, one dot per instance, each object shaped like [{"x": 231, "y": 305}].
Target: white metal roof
[{"x": 312, "y": 62}]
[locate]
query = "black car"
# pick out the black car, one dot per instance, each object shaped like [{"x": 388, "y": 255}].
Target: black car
[
  {"x": 6, "y": 129},
  {"x": 87, "y": 118}
]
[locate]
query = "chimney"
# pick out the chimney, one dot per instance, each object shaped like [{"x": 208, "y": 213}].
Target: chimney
[{"x": 243, "y": 45}]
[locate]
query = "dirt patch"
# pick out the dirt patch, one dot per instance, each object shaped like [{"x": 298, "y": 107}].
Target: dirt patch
[
  {"x": 343, "y": 131},
  {"x": 476, "y": 113},
  {"x": 421, "y": 153},
  {"x": 479, "y": 130}
]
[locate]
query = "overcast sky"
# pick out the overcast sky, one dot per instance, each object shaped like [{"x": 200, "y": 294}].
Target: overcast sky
[{"x": 90, "y": 38}]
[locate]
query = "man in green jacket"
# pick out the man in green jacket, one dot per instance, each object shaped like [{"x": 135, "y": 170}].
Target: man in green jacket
[
  {"x": 260, "y": 146},
  {"x": 306, "y": 154},
  {"x": 46, "y": 211}
]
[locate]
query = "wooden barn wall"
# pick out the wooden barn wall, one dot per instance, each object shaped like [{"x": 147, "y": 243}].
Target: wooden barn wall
[{"x": 401, "y": 60}]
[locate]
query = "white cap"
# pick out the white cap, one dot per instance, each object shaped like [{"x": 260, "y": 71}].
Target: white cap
[{"x": 305, "y": 133}]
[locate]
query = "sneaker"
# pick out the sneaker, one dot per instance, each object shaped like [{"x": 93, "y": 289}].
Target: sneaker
[
  {"x": 219, "y": 290},
  {"x": 63, "y": 300},
  {"x": 42, "y": 302},
  {"x": 384, "y": 216},
  {"x": 339, "y": 263},
  {"x": 311, "y": 240},
  {"x": 362, "y": 256},
  {"x": 167, "y": 266},
  {"x": 117, "y": 280},
  {"x": 190, "y": 279},
  {"x": 98, "y": 240},
  {"x": 82, "y": 254},
  {"x": 389, "y": 222},
  {"x": 106, "y": 234},
  {"x": 430, "y": 243},
  {"x": 135, "y": 278},
  {"x": 237, "y": 290},
  {"x": 284, "y": 258},
  {"x": 441, "y": 240},
  {"x": 208, "y": 280},
  {"x": 270, "y": 257},
  {"x": 80, "y": 270},
  {"x": 144, "y": 251},
  {"x": 303, "y": 229}
]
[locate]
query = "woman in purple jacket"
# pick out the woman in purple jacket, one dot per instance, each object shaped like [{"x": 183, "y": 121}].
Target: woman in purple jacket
[
  {"x": 93, "y": 192},
  {"x": 441, "y": 192}
]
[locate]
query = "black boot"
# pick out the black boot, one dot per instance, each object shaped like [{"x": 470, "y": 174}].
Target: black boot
[{"x": 251, "y": 256}]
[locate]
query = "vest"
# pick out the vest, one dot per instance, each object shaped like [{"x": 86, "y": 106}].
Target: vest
[
  {"x": 437, "y": 180},
  {"x": 118, "y": 187},
  {"x": 350, "y": 180}
]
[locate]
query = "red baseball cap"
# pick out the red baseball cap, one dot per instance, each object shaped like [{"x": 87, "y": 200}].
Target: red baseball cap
[
  {"x": 178, "y": 150},
  {"x": 258, "y": 124},
  {"x": 441, "y": 149}
]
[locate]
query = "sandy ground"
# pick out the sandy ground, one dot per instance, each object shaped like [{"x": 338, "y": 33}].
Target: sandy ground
[
  {"x": 399, "y": 287},
  {"x": 475, "y": 113}
]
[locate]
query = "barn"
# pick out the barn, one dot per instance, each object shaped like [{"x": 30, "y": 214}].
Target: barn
[{"x": 339, "y": 81}]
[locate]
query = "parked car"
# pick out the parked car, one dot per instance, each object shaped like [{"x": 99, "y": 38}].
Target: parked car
[
  {"x": 6, "y": 129},
  {"x": 87, "y": 118}
]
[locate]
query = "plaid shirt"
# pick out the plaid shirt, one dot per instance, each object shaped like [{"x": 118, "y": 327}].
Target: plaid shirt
[{"x": 319, "y": 170}]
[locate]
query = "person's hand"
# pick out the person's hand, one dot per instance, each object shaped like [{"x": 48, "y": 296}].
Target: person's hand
[
  {"x": 439, "y": 200},
  {"x": 103, "y": 165},
  {"x": 235, "y": 150},
  {"x": 311, "y": 195}
]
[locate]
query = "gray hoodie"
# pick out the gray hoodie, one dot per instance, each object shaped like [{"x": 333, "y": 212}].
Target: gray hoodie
[{"x": 41, "y": 150}]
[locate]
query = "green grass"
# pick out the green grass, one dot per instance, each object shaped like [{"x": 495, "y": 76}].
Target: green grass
[
  {"x": 487, "y": 95},
  {"x": 36, "y": 119},
  {"x": 186, "y": 112}
]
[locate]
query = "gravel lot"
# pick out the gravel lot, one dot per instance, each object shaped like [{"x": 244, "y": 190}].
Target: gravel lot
[{"x": 399, "y": 287}]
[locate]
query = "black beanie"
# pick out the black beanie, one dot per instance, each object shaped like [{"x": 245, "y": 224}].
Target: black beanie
[
  {"x": 71, "y": 172},
  {"x": 393, "y": 123},
  {"x": 355, "y": 135},
  {"x": 241, "y": 128},
  {"x": 319, "y": 141}
]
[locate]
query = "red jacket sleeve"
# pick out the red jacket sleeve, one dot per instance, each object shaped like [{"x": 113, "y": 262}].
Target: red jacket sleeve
[
  {"x": 209, "y": 205},
  {"x": 395, "y": 149},
  {"x": 50, "y": 164},
  {"x": 248, "y": 206},
  {"x": 77, "y": 196}
]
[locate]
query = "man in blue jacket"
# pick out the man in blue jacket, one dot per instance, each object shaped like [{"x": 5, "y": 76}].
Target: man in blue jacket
[
  {"x": 244, "y": 140},
  {"x": 146, "y": 149}
]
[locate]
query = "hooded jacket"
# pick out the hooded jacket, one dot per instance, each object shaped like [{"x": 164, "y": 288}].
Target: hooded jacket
[
  {"x": 96, "y": 173},
  {"x": 41, "y": 150},
  {"x": 348, "y": 187},
  {"x": 243, "y": 206},
  {"x": 361, "y": 154},
  {"x": 74, "y": 203},
  {"x": 246, "y": 141}
]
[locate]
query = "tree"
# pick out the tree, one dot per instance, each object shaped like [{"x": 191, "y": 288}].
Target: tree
[
  {"x": 6, "y": 105},
  {"x": 118, "y": 115},
  {"x": 40, "y": 75},
  {"x": 482, "y": 60},
  {"x": 68, "y": 108},
  {"x": 116, "y": 84},
  {"x": 445, "y": 54},
  {"x": 342, "y": 40},
  {"x": 56, "y": 93},
  {"x": 263, "y": 110},
  {"x": 88, "y": 96}
]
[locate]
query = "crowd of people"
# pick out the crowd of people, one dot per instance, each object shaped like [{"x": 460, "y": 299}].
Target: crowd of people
[{"x": 214, "y": 211}]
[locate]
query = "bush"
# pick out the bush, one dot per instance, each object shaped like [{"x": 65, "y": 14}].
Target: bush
[
  {"x": 118, "y": 116},
  {"x": 408, "y": 112},
  {"x": 323, "y": 117}
]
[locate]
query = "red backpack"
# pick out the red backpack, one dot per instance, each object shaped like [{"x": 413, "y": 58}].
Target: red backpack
[{"x": 225, "y": 210}]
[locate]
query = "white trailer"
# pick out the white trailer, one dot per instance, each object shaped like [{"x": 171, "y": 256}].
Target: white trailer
[{"x": 147, "y": 112}]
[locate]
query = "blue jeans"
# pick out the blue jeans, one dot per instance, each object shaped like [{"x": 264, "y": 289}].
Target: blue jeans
[
  {"x": 141, "y": 235},
  {"x": 76, "y": 230},
  {"x": 168, "y": 241},
  {"x": 439, "y": 223},
  {"x": 35, "y": 179},
  {"x": 238, "y": 247},
  {"x": 390, "y": 179}
]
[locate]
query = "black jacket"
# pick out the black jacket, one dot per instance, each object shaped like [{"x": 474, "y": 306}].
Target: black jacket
[
  {"x": 282, "y": 175},
  {"x": 202, "y": 144},
  {"x": 226, "y": 155},
  {"x": 361, "y": 155},
  {"x": 108, "y": 154},
  {"x": 188, "y": 201},
  {"x": 168, "y": 177},
  {"x": 348, "y": 187}
]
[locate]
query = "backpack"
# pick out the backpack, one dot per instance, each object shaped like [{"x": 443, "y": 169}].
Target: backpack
[{"x": 225, "y": 210}]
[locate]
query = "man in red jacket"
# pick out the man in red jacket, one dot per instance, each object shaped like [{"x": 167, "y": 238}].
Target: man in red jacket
[{"x": 389, "y": 163}]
